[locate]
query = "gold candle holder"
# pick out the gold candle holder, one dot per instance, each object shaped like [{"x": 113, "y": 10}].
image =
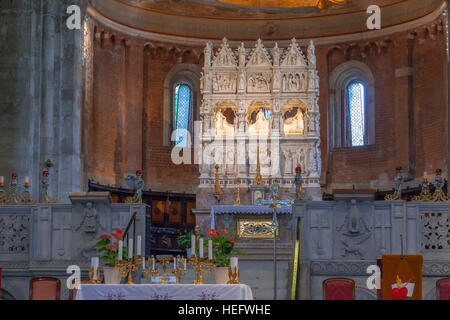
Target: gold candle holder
[
  {"x": 128, "y": 268},
  {"x": 202, "y": 267},
  {"x": 91, "y": 276},
  {"x": 233, "y": 276}
]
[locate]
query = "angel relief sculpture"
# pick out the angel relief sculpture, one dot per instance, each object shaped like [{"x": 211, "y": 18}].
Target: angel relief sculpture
[
  {"x": 294, "y": 125},
  {"x": 223, "y": 128},
  {"x": 261, "y": 125}
]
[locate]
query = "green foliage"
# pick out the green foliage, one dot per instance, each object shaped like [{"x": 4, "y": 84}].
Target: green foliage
[
  {"x": 223, "y": 247},
  {"x": 109, "y": 250}
]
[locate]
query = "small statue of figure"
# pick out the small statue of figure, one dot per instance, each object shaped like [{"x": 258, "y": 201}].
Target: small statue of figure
[
  {"x": 276, "y": 55},
  {"x": 300, "y": 193},
  {"x": 140, "y": 185},
  {"x": 312, "y": 54},
  {"x": 439, "y": 184},
  {"x": 208, "y": 54},
  {"x": 241, "y": 52}
]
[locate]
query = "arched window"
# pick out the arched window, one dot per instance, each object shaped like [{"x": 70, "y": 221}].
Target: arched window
[
  {"x": 182, "y": 112},
  {"x": 352, "y": 105},
  {"x": 356, "y": 113}
]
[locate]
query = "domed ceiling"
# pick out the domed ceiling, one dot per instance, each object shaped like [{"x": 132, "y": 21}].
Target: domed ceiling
[{"x": 247, "y": 20}]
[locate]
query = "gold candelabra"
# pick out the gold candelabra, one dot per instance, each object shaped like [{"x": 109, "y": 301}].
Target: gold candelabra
[
  {"x": 233, "y": 276},
  {"x": 425, "y": 195},
  {"x": 129, "y": 267},
  {"x": 258, "y": 179},
  {"x": 217, "y": 188},
  {"x": 177, "y": 271},
  {"x": 202, "y": 267},
  {"x": 238, "y": 201},
  {"x": 91, "y": 276}
]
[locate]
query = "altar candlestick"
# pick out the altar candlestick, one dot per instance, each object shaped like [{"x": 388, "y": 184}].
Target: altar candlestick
[
  {"x": 201, "y": 248},
  {"x": 193, "y": 245},
  {"x": 210, "y": 254},
  {"x": 139, "y": 245},
  {"x": 234, "y": 263},
  {"x": 120, "y": 258},
  {"x": 130, "y": 248}
]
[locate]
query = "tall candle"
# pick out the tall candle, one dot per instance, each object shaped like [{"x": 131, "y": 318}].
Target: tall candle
[
  {"x": 94, "y": 265},
  {"x": 201, "y": 248},
  {"x": 153, "y": 263},
  {"x": 27, "y": 180},
  {"x": 130, "y": 248},
  {"x": 120, "y": 258},
  {"x": 139, "y": 245},
  {"x": 193, "y": 245},
  {"x": 210, "y": 254},
  {"x": 2, "y": 180},
  {"x": 143, "y": 263},
  {"x": 174, "y": 263},
  {"x": 184, "y": 263},
  {"x": 233, "y": 263}
]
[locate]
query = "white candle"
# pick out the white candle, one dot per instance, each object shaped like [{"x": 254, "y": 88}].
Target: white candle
[
  {"x": 120, "y": 255},
  {"x": 153, "y": 263},
  {"x": 210, "y": 254},
  {"x": 130, "y": 248},
  {"x": 143, "y": 263},
  {"x": 193, "y": 245},
  {"x": 201, "y": 248},
  {"x": 94, "y": 265},
  {"x": 139, "y": 245},
  {"x": 174, "y": 263},
  {"x": 233, "y": 263},
  {"x": 184, "y": 263}
]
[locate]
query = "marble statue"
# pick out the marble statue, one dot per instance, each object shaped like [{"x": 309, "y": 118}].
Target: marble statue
[
  {"x": 261, "y": 127},
  {"x": 223, "y": 128},
  {"x": 295, "y": 125}
]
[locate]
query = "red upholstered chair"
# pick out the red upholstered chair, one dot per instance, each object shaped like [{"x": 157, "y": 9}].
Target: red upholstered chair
[
  {"x": 338, "y": 289},
  {"x": 443, "y": 289},
  {"x": 45, "y": 289}
]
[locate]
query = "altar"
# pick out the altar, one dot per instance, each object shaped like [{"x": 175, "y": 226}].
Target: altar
[{"x": 164, "y": 292}]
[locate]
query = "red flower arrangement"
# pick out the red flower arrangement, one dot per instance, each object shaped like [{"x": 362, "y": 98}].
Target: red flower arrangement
[
  {"x": 223, "y": 247},
  {"x": 109, "y": 249},
  {"x": 398, "y": 168},
  {"x": 438, "y": 171}
]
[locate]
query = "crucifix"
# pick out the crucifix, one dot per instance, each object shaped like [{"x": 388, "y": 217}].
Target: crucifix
[{"x": 275, "y": 203}]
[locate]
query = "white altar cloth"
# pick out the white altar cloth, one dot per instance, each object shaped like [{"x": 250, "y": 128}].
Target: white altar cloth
[
  {"x": 164, "y": 292},
  {"x": 263, "y": 209}
]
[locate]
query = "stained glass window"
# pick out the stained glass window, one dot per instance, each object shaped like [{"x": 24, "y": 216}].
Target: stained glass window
[
  {"x": 356, "y": 107},
  {"x": 182, "y": 109}
]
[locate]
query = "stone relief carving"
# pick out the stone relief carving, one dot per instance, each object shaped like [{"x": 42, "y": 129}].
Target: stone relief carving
[
  {"x": 353, "y": 233},
  {"x": 259, "y": 82},
  {"x": 259, "y": 56},
  {"x": 224, "y": 82},
  {"x": 14, "y": 233},
  {"x": 224, "y": 57},
  {"x": 294, "y": 56},
  {"x": 294, "y": 82},
  {"x": 294, "y": 125},
  {"x": 223, "y": 128}
]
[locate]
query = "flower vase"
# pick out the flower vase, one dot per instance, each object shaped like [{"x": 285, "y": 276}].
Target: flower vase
[
  {"x": 112, "y": 275},
  {"x": 221, "y": 274}
]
